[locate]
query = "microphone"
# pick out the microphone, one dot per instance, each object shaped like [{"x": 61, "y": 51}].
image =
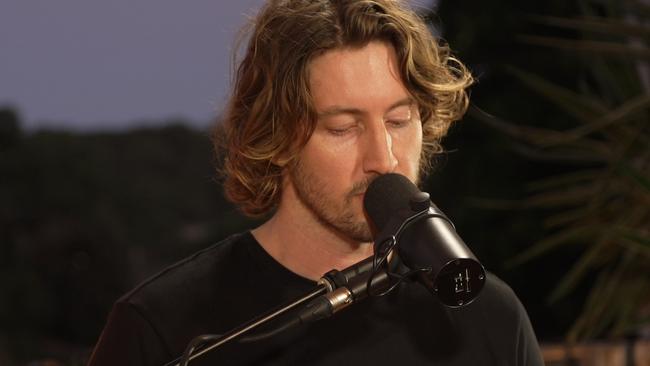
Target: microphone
[{"x": 426, "y": 240}]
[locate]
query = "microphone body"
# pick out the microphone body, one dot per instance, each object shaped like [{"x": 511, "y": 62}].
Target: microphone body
[{"x": 427, "y": 241}]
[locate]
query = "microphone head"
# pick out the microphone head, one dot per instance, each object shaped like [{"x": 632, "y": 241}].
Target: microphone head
[{"x": 386, "y": 195}]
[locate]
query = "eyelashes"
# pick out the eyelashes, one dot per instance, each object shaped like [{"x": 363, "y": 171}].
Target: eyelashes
[{"x": 343, "y": 131}]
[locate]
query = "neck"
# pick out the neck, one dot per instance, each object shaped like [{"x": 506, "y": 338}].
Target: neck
[{"x": 299, "y": 241}]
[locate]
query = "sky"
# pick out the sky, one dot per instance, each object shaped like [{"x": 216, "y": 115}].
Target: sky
[{"x": 89, "y": 65}]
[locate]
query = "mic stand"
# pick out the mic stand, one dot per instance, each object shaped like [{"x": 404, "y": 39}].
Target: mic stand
[
  {"x": 254, "y": 323},
  {"x": 331, "y": 282}
]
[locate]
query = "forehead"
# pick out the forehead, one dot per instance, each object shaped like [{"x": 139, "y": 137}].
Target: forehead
[{"x": 363, "y": 77}]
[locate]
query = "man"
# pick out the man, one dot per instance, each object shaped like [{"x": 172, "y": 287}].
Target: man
[{"x": 329, "y": 95}]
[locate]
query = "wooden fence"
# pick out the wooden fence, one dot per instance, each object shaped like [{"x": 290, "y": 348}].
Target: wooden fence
[{"x": 623, "y": 353}]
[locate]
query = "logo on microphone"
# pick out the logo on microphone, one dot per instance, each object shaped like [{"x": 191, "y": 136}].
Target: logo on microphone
[{"x": 461, "y": 282}]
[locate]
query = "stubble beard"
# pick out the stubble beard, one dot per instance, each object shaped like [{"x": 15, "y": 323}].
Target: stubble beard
[{"x": 325, "y": 208}]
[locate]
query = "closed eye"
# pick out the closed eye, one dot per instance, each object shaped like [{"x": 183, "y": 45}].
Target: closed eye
[
  {"x": 340, "y": 131},
  {"x": 398, "y": 123}
]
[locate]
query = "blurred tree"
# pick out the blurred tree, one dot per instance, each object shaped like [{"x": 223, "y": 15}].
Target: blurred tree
[
  {"x": 481, "y": 181},
  {"x": 85, "y": 217},
  {"x": 9, "y": 128},
  {"x": 594, "y": 134}
]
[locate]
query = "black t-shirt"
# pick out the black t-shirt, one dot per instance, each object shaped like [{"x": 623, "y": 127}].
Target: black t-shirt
[{"x": 233, "y": 281}]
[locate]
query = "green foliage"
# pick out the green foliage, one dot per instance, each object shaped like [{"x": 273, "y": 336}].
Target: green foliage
[{"x": 602, "y": 202}]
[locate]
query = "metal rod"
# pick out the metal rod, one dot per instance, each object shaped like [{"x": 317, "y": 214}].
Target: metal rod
[{"x": 256, "y": 322}]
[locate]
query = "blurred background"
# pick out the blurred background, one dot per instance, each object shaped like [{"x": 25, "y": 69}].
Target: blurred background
[{"x": 107, "y": 172}]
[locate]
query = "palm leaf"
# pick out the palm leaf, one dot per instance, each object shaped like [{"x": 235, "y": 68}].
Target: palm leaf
[
  {"x": 583, "y": 108},
  {"x": 570, "y": 280},
  {"x": 642, "y": 180},
  {"x": 585, "y": 318},
  {"x": 599, "y": 47},
  {"x": 606, "y": 26},
  {"x": 564, "y": 179},
  {"x": 615, "y": 296},
  {"x": 520, "y": 131},
  {"x": 603, "y": 205},
  {"x": 592, "y": 155},
  {"x": 570, "y": 234},
  {"x": 571, "y": 195},
  {"x": 613, "y": 84},
  {"x": 621, "y": 114},
  {"x": 588, "y": 150},
  {"x": 566, "y": 217},
  {"x": 634, "y": 240}
]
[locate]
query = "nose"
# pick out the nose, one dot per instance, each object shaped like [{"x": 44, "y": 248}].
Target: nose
[{"x": 378, "y": 155}]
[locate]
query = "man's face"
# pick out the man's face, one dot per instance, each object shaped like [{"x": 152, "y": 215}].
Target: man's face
[{"x": 368, "y": 125}]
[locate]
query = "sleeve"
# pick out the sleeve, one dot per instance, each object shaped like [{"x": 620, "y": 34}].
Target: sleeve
[{"x": 129, "y": 339}]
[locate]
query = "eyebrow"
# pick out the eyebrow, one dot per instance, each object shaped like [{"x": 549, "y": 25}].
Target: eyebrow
[{"x": 336, "y": 110}]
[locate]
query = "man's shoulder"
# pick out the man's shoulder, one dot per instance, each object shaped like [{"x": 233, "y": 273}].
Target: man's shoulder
[
  {"x": 187, "y": 275},
  {"x": 496, "y": 306},
  {"x": 497, "y": 309},
  {"x": 498, "y": 295}
]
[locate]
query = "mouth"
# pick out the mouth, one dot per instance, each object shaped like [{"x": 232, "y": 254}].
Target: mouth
[
  {"x": 359, "y": 189},
  {"x": 356, "y": 196}
]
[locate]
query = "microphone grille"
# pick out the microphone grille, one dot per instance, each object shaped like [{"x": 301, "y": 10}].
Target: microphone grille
[{"x": 387, "y": 194}]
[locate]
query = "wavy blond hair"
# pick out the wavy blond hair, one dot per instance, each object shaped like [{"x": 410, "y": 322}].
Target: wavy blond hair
[{"x": 270, "y": 116}]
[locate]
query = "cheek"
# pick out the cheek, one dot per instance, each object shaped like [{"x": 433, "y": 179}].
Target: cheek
[
  {"x": 326, "y": 159},
  {"x": 410, "y": 145},
  {"x": 416, "y": 140},
  {"x": 333, "y": 151}
]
